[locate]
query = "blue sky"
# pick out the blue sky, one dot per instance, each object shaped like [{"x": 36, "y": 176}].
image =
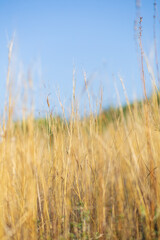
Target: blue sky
[{"x": 54, "y": 37}]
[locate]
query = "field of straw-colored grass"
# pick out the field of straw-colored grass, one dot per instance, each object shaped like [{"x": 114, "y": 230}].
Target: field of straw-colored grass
[
  {"x": 91, "y": 178},
  {"x": 82, "y": 179}
]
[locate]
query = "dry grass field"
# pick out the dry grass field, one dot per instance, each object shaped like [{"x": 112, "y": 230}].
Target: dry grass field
[{"x": 91, "y": 178}]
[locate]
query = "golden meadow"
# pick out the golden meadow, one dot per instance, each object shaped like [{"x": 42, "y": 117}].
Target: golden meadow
[{"x": 91, "y": 178}]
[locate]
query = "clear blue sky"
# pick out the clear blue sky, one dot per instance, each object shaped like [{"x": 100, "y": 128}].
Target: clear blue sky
[{"x": 53, "y": 37}]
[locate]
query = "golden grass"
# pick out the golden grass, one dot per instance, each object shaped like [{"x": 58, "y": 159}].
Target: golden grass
[
  {"x": 72, "y": 180},
  {"x": 75, "y": 179}
]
